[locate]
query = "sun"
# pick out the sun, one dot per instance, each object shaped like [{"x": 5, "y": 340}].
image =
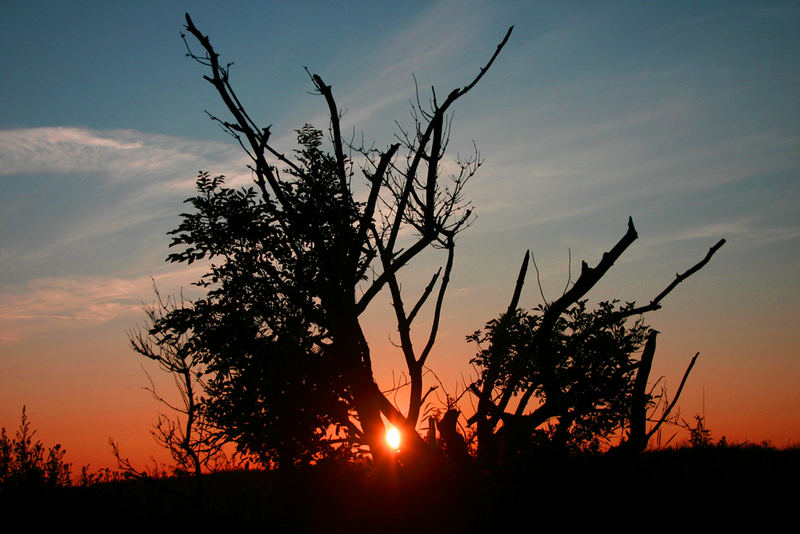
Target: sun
[{"x": 393, "y": 437}]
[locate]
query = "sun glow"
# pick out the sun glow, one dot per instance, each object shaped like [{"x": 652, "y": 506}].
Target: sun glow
[{"x": 393, "y": 437}]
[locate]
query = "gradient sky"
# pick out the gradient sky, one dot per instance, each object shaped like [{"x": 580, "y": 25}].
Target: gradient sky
[{"x": 683, "y": 115}]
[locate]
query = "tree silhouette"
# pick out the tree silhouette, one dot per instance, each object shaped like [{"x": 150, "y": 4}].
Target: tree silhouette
[
  {"x": 294, "y": 263},
  {"x": 194, "y": 442},
  {"x": 582, "y": 368}
]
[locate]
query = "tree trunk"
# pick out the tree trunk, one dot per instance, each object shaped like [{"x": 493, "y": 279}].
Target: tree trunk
[{"x": 351, "y": 349}]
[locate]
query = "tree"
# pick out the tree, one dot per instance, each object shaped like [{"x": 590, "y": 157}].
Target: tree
[
  {"x": 295, "y": 261},
  {"x": 583, "y": 368},
  {"x": 194, "y": 443}
]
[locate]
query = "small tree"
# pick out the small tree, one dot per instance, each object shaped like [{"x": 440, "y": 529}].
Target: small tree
[
  {"x": 294, "y": 263},
  {"x": 580, "y": 367},
  {"x": 194, "y": 443}
]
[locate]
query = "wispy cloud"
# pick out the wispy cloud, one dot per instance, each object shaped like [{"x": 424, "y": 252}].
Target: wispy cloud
[
  {"x": 744, "y": 11},
  {"x": 743, "y": 235},
  {"x": 129, "y": 178},
  {"x": 141, "y": 177},
  {"x": 75, "y": 301},
  {"x": 112, "y": 154}
]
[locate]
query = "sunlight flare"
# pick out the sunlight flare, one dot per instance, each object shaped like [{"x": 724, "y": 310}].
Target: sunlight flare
[{"x": 393, "y": 438}]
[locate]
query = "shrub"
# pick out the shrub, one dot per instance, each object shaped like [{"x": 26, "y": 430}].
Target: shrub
[{"x": 26, "y": 463}]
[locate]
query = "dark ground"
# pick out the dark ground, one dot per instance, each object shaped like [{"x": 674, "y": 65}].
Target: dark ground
[{"x": 707, "y": 487}]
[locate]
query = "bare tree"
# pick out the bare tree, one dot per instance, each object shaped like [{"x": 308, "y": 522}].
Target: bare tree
[{"x": 194, "y": 443}]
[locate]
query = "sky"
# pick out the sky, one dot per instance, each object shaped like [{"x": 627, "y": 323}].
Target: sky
[{"x": 682, "y": 115}]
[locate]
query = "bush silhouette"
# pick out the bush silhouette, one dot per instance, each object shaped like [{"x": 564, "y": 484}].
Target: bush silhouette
[{"x": 25, "y": 463}]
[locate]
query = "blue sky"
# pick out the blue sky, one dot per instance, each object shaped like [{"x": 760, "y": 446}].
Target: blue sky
[{"x": 683, "y": 115}]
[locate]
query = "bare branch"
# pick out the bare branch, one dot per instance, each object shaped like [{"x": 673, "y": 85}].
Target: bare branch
[
  {"x": 367, "y": 216},
  {"x": 655, "y": 304},
  {"x": 394, "y": 266},
  {"x": 638, "y": 416},
  {"x": 439, "y": 301},
  {"x": 485, "y": 404},
  {"x": 489, "y": 64},
  {"x": 674, "y": 400},
  {"x": 425, "y": 294},
  {"x": 244, "y": 124},
  {"x": 512, "y": 306},
  {"x": 337, "y": 134},
  {"x": 539, "y": 280},
  {"x": 590, "y": 276}
]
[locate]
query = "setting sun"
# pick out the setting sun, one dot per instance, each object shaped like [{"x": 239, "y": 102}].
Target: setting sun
[{"x": 393, "y": 438}]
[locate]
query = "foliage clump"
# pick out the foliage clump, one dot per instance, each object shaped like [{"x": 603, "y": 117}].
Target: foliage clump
[
  {"x": 593, "y": 356},
  {"x": 259, "y": 335}
]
